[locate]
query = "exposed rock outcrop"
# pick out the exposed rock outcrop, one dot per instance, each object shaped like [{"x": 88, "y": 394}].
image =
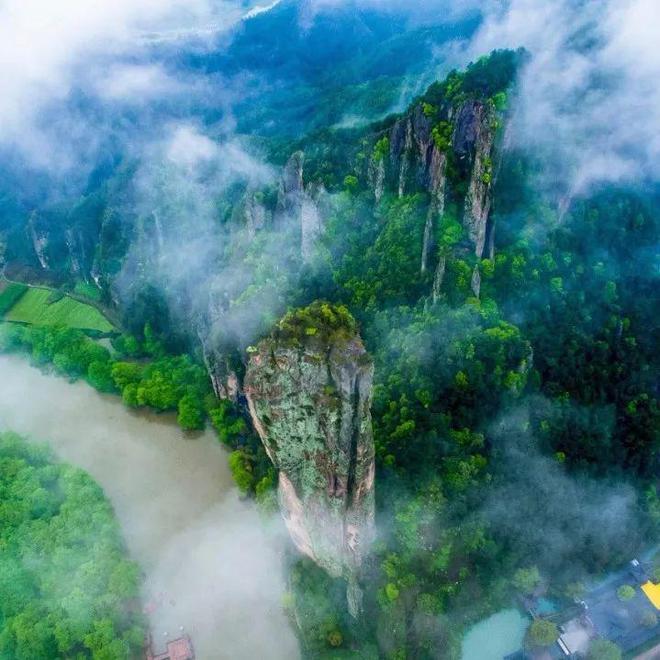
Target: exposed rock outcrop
[
  {"x": 439, "y": 278},
  {"x": 376, "y": 176},
  {"x": 311, "y": 220},
  {"x": 309, "y": 398},
  {"x": 255, "y": 214},
  {"x": 473, "y": 142},
  {"x": 224, "y": 379},
  {"x": 39, "y": 240},
  {"x": 415, "y": 162},
  {"x": 302, "y": 204},
  {"x": 289, "y": 198},
  {"x": 421, "y": 144}
]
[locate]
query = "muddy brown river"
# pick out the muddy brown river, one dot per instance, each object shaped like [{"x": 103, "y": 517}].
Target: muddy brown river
[{"x": 212, "y": 566}]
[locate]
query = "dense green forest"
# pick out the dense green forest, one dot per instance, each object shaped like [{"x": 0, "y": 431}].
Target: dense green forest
[
  {"x": 496, "y": 408},
  {"x": 67, "y": 588}
]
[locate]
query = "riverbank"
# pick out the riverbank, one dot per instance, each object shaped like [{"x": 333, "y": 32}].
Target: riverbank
[{"x": 209, "y": 564}]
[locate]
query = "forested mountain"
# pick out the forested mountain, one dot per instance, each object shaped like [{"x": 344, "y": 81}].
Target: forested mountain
[{"x": 448, "y": 371}]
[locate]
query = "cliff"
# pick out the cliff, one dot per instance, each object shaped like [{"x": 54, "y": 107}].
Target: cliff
[
  {"x": 445, "y": 146},
  {"x": 441, "y": 151},
  {"x": 301, "y": 205},
  {"x": 309, "y": 389}
]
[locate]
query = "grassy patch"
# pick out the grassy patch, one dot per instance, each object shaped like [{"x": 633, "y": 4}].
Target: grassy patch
[
  {"x": 10, "y": 294},
  {"x": 36, "y": 307},
  {"x": 88, "y": 291}
]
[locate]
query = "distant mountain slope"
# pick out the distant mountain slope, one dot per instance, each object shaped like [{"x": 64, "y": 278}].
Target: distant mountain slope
[{"x": 305, "y": 70}]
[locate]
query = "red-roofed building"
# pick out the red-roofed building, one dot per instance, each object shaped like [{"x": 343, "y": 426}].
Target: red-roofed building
[{"x": 178, "y": 649}]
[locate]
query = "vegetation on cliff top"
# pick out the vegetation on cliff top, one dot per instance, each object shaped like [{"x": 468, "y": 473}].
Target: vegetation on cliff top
[{"x": 321, "y": 322}]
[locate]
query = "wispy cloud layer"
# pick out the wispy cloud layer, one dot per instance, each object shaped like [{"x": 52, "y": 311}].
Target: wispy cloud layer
[
  {"x": 48, "y": 50},
  {"x": 590, "y": 93}
]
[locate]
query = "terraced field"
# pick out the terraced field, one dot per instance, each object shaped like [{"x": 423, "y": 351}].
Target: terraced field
[{"x": 36, "y": 307}]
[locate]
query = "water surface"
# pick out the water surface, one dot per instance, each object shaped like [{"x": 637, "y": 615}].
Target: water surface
[
  {"x": 495, "y": 637},
  {"x": 210, "y": 565}
]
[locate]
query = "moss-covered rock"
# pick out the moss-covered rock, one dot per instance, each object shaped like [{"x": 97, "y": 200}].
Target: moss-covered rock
[{"x": 309, "y": 389}]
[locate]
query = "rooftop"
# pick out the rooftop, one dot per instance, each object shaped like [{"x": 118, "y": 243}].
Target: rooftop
[
  {"x": 652, "y": 592},
  {"x": 178, "y": 649}
]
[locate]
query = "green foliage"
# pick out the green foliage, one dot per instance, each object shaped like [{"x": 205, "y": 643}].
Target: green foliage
[
  {"x": 241, "y": 465},
  {"x": 127, "y": 346},
  {"x": 500, "y": 101},
  {"x": 325, "y": 625},
  {"x": 450, "y": 233},
  {"x": 602, "y": 649},
  {"x": 99, "y": 376},
  {"x": 391, "y": 591},
  {"x": 442, "y": 135},
  {"x": 351, "y": 183},
  {"x": 36, "y": 307},
  {"x": 487, "y": 78},
  {"x": 388, "y": 269},
  {"x": 70, "y": 351},
  {"x": 323, "y": 321},
  {"x": 526, "y": 580},
  {"x": 88, "y": 290},
  {"x": 575, "y": 590},
  {"x": 625, "y": 592},
  {"x": 541, "y": 633},
  {"x": 191, "y": 415},
  {"x": 429, "y": 110},
  {"x": 381, "y": 149},
  {"x": 229, "y": 426},
  {"x": 10, "y": 294},
  {"x": 66, "y": 587}
]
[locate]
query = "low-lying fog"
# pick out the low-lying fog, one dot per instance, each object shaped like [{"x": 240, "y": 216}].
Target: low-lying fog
[{"x": 210, "y": 565}]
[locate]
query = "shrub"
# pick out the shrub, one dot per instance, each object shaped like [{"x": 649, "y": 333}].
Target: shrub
[
  {"x": 241, "y": 468},
  {"x": 542, "y": 633},
  {"x": 602, "y": 649},
  {"x": 625, "y": 593},
  {"x": 526, "y": 580}
]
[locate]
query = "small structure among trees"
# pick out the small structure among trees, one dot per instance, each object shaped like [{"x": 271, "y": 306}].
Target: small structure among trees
[{"x": 177, "y": 649}]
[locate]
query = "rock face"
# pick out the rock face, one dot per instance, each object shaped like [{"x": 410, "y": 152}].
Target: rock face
[
  {"x": 417, "y": 160},
  {"x": 310, "y": 404},
  {"x": 289, "y": 199},
  {"x": 414, "y": 163},
  {"x": 302, "y": 204},
  {"x": 255, "y": 214},
  {"x": 39, "y": 241},
  {"x": 311, "y": 220},
  {"x": 474, "y": 140}
]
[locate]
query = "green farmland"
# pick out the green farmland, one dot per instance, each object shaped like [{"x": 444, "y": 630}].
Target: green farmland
[
  {"x": 10, "y": 294},
  {"x": 36, "y": 307}
]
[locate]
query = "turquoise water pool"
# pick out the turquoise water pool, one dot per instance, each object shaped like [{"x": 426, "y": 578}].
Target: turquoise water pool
[
  {"x": 495, "y": 637},
  {"x": 544, "y": 606}
]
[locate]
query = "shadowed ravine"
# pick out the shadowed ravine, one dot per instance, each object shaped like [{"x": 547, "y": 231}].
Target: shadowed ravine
[{"x": 209, "y": 565}]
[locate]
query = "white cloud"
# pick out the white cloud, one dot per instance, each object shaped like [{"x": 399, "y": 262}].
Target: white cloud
[
  {"x": 137, "y": 83},
  {"x": 188, "y": 147},
  {"x": 590, "y": 93},
  {"x": 48, "y": 48},
  {"x": 261, "y": 9}
]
